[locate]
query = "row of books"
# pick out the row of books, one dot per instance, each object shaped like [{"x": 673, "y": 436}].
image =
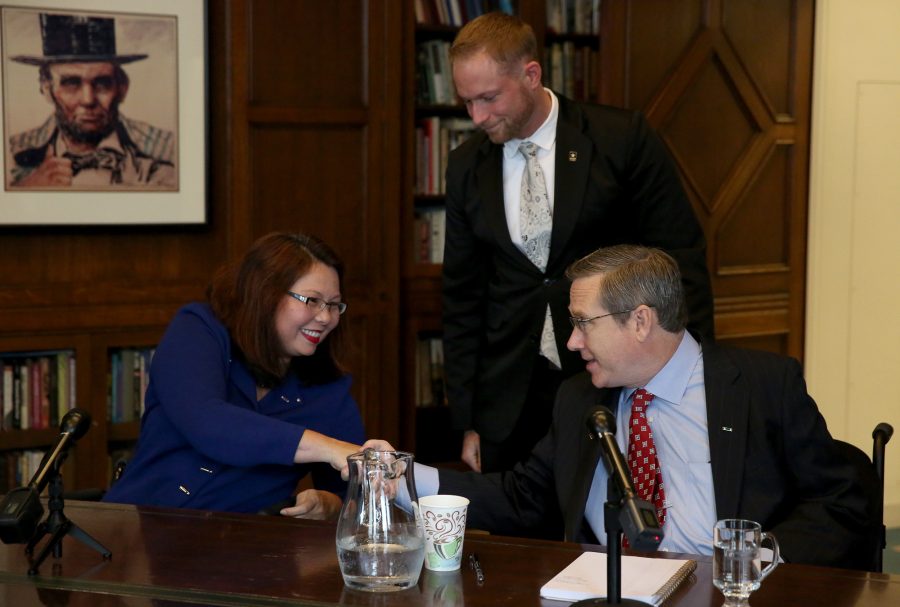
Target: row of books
[
  {"x": 128, "y": 378},
  {"x": 568, "y": 68},
  {"x": 457, "y": 12},
  {"x": 435, "y": 138},
  {"x": 434, "y": 80},
  {"x": 38, "y": 389},
  {"x": 573, "y": 16},
  {"x": 430, "y": 226},
  {"x": 572, "y": 70},
  {"x": 430, "y": 381},
  {"x": 18, "y": 467}
]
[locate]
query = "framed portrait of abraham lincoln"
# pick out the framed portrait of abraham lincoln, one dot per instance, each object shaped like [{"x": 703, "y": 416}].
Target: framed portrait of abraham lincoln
[{"x": 103, "y": 112}]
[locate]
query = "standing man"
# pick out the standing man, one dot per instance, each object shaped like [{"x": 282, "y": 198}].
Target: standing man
[
  {"x": 547, "y": 181},
  {"x": 87, "y": 143}
]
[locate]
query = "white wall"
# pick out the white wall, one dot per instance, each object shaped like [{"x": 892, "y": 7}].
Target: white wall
[{"x": 853, "y": 309}]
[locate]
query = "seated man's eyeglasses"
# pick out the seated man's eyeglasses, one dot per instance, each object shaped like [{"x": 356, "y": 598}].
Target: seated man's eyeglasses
[
  {"x": 318, "y": 304},
  {"x": 582, "y": 323}
]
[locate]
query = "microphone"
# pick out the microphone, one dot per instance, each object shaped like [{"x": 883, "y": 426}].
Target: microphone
[
  {"x": 21, "y": 510},
  {"x": 637, "y": 516}
]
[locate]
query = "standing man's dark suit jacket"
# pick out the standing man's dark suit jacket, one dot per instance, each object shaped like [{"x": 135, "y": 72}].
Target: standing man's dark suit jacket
[
  {"x": 773, "y": 461},
  {"x": 615, "y": 183}
]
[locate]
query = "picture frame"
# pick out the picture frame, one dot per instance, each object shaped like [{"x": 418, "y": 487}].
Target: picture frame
[{"x": 84, "y": 144}]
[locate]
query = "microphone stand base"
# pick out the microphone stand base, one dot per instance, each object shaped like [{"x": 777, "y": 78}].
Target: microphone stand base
[
  {"x": 623, "y": 603},
  {"x": 57, "y": 526}
]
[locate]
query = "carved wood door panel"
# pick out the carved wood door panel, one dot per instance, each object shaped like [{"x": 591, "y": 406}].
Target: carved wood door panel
[{"x": 727, "y": 84}]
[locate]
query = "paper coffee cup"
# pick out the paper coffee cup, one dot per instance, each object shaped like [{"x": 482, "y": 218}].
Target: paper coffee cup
[{"x": 444, "y": 521}]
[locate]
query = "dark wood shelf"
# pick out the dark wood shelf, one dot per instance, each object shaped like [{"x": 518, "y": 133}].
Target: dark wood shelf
[
  {"x": 28, "y": 439},
  {"x": 424, "y": 201},
  {"x": 427, "y": 31},
  {"x": 443, "y": 110},
  {"x": 424, "y": 271},
  {"x": 124, "y": 431},
  {"x": 590, "y": 40}
]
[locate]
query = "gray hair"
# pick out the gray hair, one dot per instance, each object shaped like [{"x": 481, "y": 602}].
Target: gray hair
[{"x": 635, "y": 275}]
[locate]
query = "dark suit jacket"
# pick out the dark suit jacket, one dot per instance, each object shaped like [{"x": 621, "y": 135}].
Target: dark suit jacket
[
  {"x": 615, "y": 183},
  {"x": 773, "y": 461}
]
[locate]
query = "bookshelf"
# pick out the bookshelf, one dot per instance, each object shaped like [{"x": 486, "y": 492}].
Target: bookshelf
[
  {"x": 89, "y": 462},
  {"x": 567, "y": 30}
]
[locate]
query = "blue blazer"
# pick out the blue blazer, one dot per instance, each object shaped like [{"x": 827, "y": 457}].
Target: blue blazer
[{"x": 207, "y": 443}]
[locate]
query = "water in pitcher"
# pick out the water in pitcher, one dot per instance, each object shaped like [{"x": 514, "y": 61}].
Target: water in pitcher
[{"x": 381, "y": 567}]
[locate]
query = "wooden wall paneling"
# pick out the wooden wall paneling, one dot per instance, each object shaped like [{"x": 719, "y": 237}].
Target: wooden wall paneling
[
  {"x": 229, "y": 76},
  {"x": 665, "y": 30},
  {"x": 96, "y": 277},
  {"x": 384, "y": 52},
  {"x": 307, "y": 53},
  {"x": 728, "y": 88},
  {"x": 761, "y": 34},
  {"x": 316, "y": 130}
]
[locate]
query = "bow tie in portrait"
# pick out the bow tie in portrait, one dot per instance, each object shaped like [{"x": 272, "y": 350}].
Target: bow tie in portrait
[{"x": 106, "y": 159}]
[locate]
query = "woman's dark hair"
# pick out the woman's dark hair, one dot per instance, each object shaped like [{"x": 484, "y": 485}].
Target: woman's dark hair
[{"x": 245, "y": 296}]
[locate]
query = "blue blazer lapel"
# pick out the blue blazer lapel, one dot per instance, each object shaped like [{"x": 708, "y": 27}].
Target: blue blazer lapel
[{"x": 727, "y": 411}]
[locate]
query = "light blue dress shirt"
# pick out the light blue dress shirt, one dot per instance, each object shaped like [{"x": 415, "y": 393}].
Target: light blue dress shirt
[{"x": 677, "y": 416}]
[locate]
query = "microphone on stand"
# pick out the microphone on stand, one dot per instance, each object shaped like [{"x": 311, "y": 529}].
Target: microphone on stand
[
  {"x": 21, "y": 510},
  {"x": 637, "y": 516}
]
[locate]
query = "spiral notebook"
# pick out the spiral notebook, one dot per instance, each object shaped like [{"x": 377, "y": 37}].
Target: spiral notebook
[{"x": 643, "y": 579}]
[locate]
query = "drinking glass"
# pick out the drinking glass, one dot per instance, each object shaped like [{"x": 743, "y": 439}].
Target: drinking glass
[{"x": 737, "y": 567}]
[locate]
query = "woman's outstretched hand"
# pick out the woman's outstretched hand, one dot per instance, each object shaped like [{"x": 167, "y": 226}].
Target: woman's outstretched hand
[{"x": 314, "y": 504}]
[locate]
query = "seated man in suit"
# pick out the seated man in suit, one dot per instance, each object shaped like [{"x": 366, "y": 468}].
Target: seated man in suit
[{"x": 736, "y": 434}]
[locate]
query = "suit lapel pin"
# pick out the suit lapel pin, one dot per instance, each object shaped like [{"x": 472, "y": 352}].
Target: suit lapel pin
[
  {"x": 573, "y": 155},
  {"x": 726, "y": 428}
]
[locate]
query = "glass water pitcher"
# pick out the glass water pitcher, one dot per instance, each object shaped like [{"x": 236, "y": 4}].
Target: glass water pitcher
[{"x": 380, "y": 543}]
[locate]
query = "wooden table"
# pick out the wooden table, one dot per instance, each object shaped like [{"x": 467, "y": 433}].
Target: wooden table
[{"x": 182, "y": 558}]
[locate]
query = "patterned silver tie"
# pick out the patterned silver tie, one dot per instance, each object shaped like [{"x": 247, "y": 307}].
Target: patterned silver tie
[
  {"x": 536, "y": 225},
  {"x": 535, "y": 220}
]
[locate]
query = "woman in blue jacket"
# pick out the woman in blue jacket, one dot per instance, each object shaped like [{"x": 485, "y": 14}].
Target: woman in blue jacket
[{"x": 246, "y": 396}]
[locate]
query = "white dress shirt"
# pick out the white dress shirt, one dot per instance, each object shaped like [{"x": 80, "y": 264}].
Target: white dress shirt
[{"x": 514, "y": 165}]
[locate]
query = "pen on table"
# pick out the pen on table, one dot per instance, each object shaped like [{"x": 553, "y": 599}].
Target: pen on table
[{"x": 475, "y": 564}]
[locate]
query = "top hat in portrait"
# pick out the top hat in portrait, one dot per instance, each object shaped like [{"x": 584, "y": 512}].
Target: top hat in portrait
[{"x": 77, "y": 39}]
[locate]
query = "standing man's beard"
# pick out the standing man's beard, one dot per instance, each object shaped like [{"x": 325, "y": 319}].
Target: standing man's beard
[{"x": 93, "y": 137}]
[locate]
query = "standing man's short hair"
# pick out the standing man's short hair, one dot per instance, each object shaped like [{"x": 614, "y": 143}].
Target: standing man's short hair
[
  {"x": 635, "y": 275},
  {"x": 506, "y": 39}
]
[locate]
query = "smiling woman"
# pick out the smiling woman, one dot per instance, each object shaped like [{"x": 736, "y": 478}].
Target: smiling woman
[{"x": 245, "y": 387}]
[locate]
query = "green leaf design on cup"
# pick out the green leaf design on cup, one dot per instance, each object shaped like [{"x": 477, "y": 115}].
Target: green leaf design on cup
[{"x": 448, "y": 549}]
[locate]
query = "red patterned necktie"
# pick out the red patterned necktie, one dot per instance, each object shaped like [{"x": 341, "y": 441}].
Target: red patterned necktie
[{"x": 645, "y": 472}]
